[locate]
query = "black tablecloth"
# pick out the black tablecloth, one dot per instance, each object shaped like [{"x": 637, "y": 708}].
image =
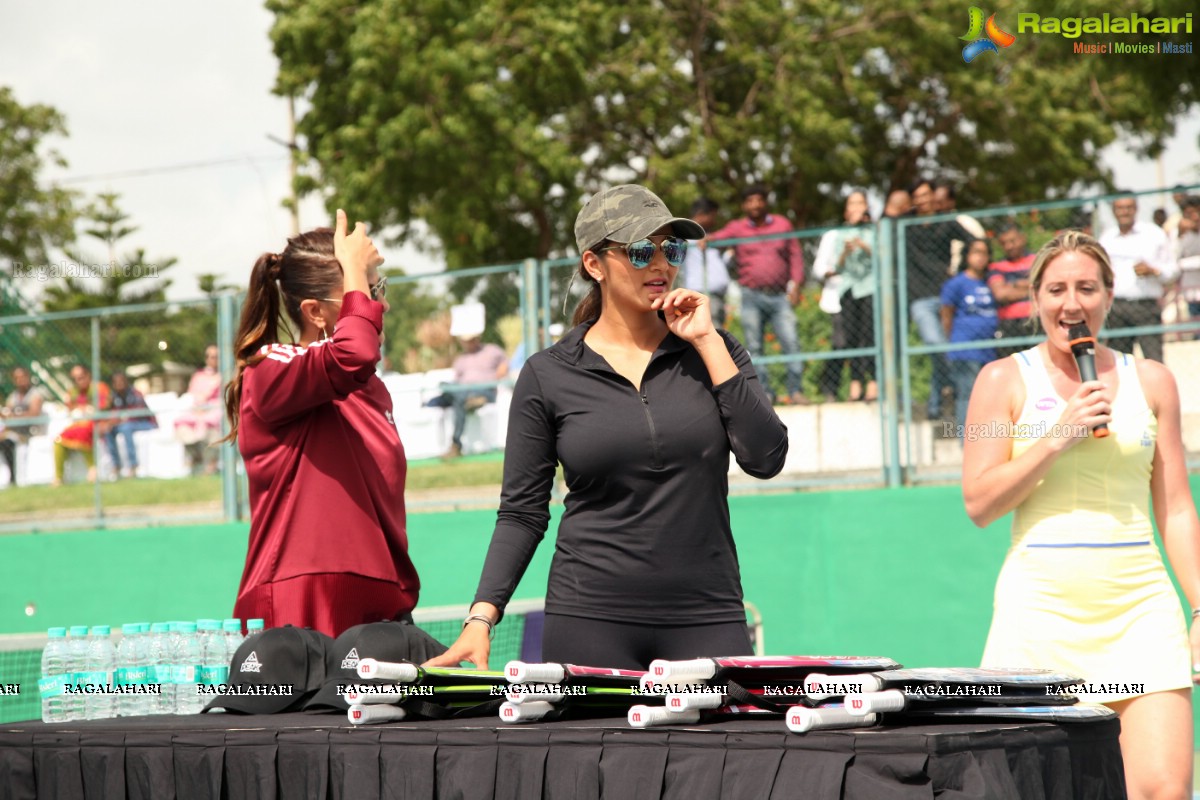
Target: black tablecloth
[{"x": 214, "y": 757}]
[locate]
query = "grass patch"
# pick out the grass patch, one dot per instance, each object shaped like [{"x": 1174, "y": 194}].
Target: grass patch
[
  {"x": 136, "y": 492},
  {"x": 482, "y": 470}
]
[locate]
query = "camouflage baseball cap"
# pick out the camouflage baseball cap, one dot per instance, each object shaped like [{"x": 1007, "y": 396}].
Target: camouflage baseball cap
[{"x": 626, "y": 214}]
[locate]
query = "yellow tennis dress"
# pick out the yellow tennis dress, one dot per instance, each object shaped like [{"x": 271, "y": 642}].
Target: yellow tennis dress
[{"x": 1084, "y": 589}]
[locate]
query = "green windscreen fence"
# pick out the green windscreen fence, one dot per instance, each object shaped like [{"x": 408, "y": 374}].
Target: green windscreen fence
[{"x": 900, "y": 573}]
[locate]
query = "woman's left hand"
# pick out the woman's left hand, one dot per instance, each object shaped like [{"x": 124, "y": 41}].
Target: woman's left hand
[{"x": 686, "y": 312}]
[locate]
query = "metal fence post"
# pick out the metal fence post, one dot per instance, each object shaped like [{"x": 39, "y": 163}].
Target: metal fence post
[
  {"x": 230, "y": 505},
  {"x": 887, "y": 328},
  {"x": 530, "y": 307}
]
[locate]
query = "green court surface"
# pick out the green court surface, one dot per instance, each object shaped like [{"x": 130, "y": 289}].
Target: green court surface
[{"x": 900, "y": 573}]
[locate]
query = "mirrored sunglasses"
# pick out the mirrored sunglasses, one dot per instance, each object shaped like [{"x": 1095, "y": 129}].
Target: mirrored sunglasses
[{"x": 641, "y": 252}]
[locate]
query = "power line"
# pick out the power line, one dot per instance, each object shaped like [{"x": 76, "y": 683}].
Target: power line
[{"x": 139, "y": 173}]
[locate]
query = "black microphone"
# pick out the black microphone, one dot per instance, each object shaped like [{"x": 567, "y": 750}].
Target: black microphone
[{"x": 1083, "y": 347}]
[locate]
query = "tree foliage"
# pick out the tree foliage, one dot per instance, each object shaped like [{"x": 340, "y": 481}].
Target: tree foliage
[
  {"x": 34, "y": 217},
  {"x": 96, "y": 280},
  {"x": 490, "y": 120}
]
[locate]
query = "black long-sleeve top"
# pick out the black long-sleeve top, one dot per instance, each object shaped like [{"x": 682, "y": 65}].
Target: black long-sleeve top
[{"x": 645, "y": 533}]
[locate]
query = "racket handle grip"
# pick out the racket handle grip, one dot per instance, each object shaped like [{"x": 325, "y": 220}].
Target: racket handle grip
[
  {"x": 404, "y": 673},
  {"x": 649, "y": 716},
  {"x": 365, "y": 715},
  {"x": 818, "y": 681},
  {"x": 697, "y": 669},
  {"x": 862, "y": 703},
  {"x": 356, "y": 697},
  {"x": 684, "y": 702},
  {"x": 803, "y": 720},
  {"x": 525, "y": 712},
  {"x": 520, "y": 672},
  {"x": 519, "y": 693}
]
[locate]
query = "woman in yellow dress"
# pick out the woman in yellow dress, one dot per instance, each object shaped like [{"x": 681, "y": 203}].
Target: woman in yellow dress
[{"x": 1084, "y": 588}]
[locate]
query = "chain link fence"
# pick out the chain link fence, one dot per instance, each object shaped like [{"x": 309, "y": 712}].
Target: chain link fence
[{"x": 887, "y": 343}]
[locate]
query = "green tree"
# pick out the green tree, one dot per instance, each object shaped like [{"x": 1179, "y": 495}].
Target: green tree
[
  {"x": 93, "y": 281},
  {"x": 34, "y": 217},
  {"x": 491, "y": 119}
]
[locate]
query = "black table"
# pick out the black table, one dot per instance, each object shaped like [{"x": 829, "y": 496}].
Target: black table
[{"x": 214, "y": 757}]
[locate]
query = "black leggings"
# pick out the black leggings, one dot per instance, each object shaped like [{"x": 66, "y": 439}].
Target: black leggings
[{"x": 630, "y": 645}]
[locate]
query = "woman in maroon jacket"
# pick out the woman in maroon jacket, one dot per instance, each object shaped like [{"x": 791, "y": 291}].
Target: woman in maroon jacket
[{"x": 328, "y": 543}]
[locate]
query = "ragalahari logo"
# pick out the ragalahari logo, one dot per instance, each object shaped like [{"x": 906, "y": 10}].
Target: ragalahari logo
[{"x": 983, "y": 37}]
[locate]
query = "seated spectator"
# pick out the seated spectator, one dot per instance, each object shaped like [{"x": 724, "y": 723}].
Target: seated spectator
[
  {"x": 126, "y": 398},
  {"x": 1009, "y": 281},
  {"x": 479, "y": 365},
  {"x": 968, "y": 315},
  {"x": 199, "y": 428},
  {"x": 85, "y": 400},
  {"x": 24, "y": 402}
]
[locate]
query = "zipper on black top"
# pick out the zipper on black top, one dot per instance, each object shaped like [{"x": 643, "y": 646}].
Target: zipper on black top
[{"x": 656, "y": 451}]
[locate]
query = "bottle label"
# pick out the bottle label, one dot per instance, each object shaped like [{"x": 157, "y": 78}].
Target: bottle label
[
  {"x": 132, "y": 676},
  {"x": 94, "y": 678},
  {"x": 55, "y": 685},
  {"x": 214, "y": 674},
  {"x": 183, "y": 673}
]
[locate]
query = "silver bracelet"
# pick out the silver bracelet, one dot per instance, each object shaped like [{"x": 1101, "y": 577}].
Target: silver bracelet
[
  {"x": 1195, "y": 613},
  {"x": 491, "y": 626}
]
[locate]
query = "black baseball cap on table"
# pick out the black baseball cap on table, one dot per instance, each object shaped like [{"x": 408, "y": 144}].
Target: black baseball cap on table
[
  {"x": 277, "y": 657},
  {"x": 383, "y": 641}
]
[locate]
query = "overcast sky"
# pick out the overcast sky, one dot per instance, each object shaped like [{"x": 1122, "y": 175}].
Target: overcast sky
[{"x": 157, "y": 87}]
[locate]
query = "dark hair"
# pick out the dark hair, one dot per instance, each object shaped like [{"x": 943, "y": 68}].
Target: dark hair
[
  {"x": 918, "y": 183},
  {"x": 755, "y": 188},
  {"x": 1009, "y": 226},
  {"x": 589, "y": 307},
  {"x": 704, "y": 205},
  {"x": 279, "y": 282},
  {"x": 948, "y": 186}
]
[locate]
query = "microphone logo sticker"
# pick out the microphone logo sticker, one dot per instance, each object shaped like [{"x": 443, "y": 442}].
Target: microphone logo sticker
[{"x": 1046, "y": 403}]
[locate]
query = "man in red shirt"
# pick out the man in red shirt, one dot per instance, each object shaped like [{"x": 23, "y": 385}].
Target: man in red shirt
[
  {"x": 1009, "y": 282},
  {"x": 770, "y": 273}
]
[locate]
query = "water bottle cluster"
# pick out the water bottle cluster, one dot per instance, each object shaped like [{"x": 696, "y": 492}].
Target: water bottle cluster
[{"x": 158, "y": 668}]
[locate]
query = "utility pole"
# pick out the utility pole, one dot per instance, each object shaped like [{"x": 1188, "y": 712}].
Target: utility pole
[{"x": 293, "y": 157}]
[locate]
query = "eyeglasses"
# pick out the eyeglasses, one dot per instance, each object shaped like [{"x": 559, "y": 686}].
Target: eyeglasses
[
  {"x": 378, "y": 291},
  {"x": 641, "y": 252}
]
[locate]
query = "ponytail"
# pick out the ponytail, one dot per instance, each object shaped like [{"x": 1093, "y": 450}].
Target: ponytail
[
  {"x": 588, "y": 309},
  {"x": 259, "y": 326}
]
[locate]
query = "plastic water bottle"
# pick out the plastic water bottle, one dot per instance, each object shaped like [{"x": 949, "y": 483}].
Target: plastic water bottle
[
  {"x": 233, "y": 638},
  {"x": 158, "y": 662},
  {"x": 55, "y": 675},
  {"x": 131, "y": 673},
  {"x": 76, "y": 664},
  {"x": 253, "y": 626},
  {"x": 186, "y": 660},
  {"x": 100, "y": 662},
  {"x": 214, "y": 669}
]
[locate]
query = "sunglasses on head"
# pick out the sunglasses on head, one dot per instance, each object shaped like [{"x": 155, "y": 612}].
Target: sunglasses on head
[
  {"x": 641, "y": 252},
  {"x": 377, "y": 290}
]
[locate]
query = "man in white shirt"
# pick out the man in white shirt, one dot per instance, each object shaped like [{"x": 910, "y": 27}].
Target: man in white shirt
[
  {"x": 1142, "y": 266},
  {"x": 704, "y": 270}
]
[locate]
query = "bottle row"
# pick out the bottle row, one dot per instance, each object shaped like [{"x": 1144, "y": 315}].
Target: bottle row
[{"x": 153, "y": 669}]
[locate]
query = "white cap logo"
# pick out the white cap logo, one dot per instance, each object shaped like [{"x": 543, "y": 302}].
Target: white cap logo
[
  {"x": 351, "y": 659},
  {"x": 251, "y": 663}
]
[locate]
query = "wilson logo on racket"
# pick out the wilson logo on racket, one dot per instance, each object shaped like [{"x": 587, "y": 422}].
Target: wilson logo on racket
[
  {"x": 659, "y": 670},
  {"x": 512, "y": 672},
  {"x": 364, "y": 669},
  {"x": 636, "y": 716},
  {"x": 357, "y": 714},
  {"x": 676, "y": 702},
  {"x": 508, "y": 712},
  {"x": 856, "y": 702}
]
